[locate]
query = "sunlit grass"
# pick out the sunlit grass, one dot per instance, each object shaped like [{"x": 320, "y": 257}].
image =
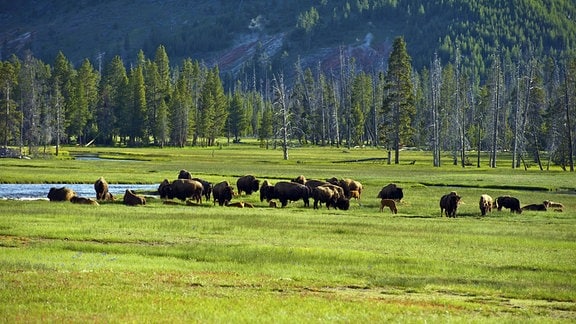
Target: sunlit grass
[{"x": 156, "y": 263}]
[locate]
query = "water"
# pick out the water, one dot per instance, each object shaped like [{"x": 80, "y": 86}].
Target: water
[{"x": 40, "y": 191}]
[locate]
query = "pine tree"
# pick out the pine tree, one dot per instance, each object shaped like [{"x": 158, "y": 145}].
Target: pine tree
[
  {"x": 8, "y": 80},
  {"x": 399, "y": 97}
]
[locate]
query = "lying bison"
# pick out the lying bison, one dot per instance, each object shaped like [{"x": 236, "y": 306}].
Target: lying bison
[
  {"x": 391, "y": 191},
  {"x": 60, "y": 194},
  {"x": 509, "y": 202},
  {"x": 536, "y": 207},
  {"x": 449, "y": 204},
  {"x": 285, "y": 191},
  {"x": 132, "y": 199},
  {"x": 485, "y": 204},
  {"x": 248, "y": 184},
  {"x": 83, "y": 201},
  {"x": 181, "y": 189},
  {"x": 223, "y": 192}
]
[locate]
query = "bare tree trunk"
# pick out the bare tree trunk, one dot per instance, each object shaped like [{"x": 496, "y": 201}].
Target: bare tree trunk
[
  {"x": 281, "y": 102},
  {"x": 568, "y": 121}
]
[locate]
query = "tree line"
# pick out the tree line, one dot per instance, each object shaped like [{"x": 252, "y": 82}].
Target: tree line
[{"x": 525, "y": 107}]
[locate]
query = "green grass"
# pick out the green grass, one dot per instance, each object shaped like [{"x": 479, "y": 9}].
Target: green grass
[{"x": 174, "y": 263}]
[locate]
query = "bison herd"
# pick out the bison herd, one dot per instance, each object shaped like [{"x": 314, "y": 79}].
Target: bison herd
[{"x": 333, "y": 193}]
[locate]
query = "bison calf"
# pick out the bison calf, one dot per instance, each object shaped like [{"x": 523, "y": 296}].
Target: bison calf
[{"x": 390, "y": 204}]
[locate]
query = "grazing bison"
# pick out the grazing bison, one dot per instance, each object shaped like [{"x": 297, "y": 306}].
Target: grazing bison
[
  {"x": 325, "y": 195},
  {"x": 486, "y": 204},
  {"x": 248, "y": 184},
  {"x": 184, "y": 174},
  {"x": 223, "y": 192},
  {"x": 61, "y": 194},
  {"x": 285, "y": 191},
  {"x": 449, "y": 204},
  {"x": 83, "y": 201},
  {"x": 266, "y": 190},
  {"x": 391, "y": 191},
  {"x": 101, "y": 188},
  {"x": 132, "y": 199},
  {"x": 509, "y": 202},
  {"x": 390, "y": 204},
  {"x": 206, "y": 187},
  {"x": 341, "y": 183},
  {"x": 536, "y": 207},
  {"x": 181, "y": 189}
]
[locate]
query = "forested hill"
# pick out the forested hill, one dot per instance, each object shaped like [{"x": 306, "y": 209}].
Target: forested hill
[{"x": 278, "y": 32}]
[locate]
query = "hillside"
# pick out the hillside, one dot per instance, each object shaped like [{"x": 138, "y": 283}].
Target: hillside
[{"x": 237, "y": 34}]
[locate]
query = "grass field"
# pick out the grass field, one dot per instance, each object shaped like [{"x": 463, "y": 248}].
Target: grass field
[{"x": 176, "y": 263}]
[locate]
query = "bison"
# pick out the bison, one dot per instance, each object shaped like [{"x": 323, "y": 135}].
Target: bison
[
  {"x": 132, "y": 199},
  {"x": 325, "y": 195},
  {"x": 184, "y": 174},
  {"x": 101, "y": 188},
  {"x": 552, "y": 204},
  {"x": 181, "y": 189},
  {"x": 391, "y": 191},
  {"x": 285, "y": 191},
  {"x": 206, "y": 187},
  {"x": 536, "y": 207},
  {"x": 60, "y": 194},
  {"x": 83, "y": 201},
  {"x": 248, "y": 184},
  {"x": 223, "y": 193},
  {"x": 449, "y": 204},
  {"x": 486, "y": 203},
  {"x": 390, "y": 204},
  {"x": 508, "y": 202}
]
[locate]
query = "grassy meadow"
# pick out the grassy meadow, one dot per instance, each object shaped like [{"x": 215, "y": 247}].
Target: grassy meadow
[{"x": 62, "y": 262}]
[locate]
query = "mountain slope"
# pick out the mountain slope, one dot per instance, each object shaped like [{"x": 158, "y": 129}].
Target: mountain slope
[{"x": 277, "y": 33}]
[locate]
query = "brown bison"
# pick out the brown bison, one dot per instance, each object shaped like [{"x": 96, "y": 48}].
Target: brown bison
[
  {"x": 449, "y": 204},
  {"x": 132, "y": 199},
  {"x": 83, "y": 201},
  {"x": 300, "y": 179},
  {"x": 486, "y": 203},
  {"x": 285, "y": 191},
  {"x": 390, "y": 204},
  {"x": 509, "y": 202},
  {"x": 248, "y": 184},
  {"x": 536, "y": 207},
  {"x": 223, "y": 192},
  {"x": 181, "y": 189},
  {"x": 391, "y": 191},
  {"x": 325, "y": 195},
  {"x": 206, "y": 187},
  {"x": 60, "y": 194},
  {"x": 101, "y": 188},
  {"x": 341, "y": 183}
]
